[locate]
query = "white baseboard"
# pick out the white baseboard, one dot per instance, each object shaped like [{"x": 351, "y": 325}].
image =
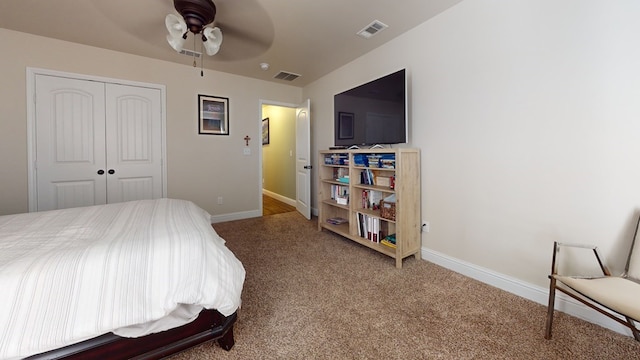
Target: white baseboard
[
  {"x": 235, "y": 216},
  {"x": 528, "y": 291},
  {"x": 245, "y": 215}
]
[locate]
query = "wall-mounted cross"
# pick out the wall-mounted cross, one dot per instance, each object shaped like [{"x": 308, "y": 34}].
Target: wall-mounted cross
[{"x": 246, "y": 140}]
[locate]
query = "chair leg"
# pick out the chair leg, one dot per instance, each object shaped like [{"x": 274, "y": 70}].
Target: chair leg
[
  {"x": 634, "y": 329},
  {"x": 550, "y": 307}
]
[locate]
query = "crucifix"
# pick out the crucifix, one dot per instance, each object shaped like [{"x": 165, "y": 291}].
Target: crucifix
[{"x": 246, "y": 139}]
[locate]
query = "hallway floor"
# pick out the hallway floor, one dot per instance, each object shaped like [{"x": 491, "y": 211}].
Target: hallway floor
[{"x": 271, "y": 206}]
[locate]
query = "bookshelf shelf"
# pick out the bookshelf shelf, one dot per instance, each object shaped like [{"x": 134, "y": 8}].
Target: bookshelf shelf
[
  {"x": 335, "y": 203},
  {"x": 373, "y": 175}
]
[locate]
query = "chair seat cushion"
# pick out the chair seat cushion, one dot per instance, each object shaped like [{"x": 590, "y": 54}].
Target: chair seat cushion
[{"x": 616, "y": 293}]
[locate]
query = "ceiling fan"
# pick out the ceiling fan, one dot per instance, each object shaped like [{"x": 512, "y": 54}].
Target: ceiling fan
[{"x": 196, "y": 15}]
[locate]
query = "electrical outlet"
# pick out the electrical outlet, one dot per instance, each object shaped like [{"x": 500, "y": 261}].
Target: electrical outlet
[
  {"x": 220, "y": 200},
  {"x": 425, "y": 226}
]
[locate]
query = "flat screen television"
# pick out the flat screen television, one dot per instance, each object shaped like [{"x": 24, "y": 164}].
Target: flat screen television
[{"x": 372, "y": 113}]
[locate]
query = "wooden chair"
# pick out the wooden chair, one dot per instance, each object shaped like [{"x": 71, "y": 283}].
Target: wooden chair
[{"x": 617, "y": 297}]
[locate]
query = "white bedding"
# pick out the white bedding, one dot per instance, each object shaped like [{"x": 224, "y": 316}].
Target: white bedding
[{"x": 70, "y": 275}]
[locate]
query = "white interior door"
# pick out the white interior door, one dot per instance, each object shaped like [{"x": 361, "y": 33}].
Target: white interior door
[
  {"x": 134, "y": 143},
  {"x": 303, "y": 159},
  {"x": 70, "y": 143}
]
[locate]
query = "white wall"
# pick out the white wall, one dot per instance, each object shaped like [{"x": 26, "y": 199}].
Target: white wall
[
  {"x": 527, "y": 116},
  {"x": 200, "y": 167}
]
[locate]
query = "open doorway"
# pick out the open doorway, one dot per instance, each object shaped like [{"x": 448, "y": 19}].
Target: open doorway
[{"x": 278, "y": 158}]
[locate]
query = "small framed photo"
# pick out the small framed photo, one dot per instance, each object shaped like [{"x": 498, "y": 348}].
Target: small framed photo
[
  {"x": 213, "y": 115},
  {"x": 265, "y": 131},
  {"x": 345, "y": 125}
]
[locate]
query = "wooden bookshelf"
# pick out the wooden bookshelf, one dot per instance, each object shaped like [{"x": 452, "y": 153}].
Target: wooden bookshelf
[{"x": 385, "y": 172}]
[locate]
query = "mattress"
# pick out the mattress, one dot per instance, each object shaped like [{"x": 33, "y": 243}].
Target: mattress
[{"x": 130, "y": 268}]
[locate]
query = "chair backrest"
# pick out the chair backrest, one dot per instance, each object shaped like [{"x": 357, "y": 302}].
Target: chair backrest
[{"x": 633, "y": 263}]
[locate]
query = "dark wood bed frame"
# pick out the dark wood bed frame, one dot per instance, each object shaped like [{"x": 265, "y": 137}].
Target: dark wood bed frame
[{"x": 210, "y": 325}]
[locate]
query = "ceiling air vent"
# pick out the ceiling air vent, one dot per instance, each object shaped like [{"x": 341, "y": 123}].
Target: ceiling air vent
[
  {"x": 190, "y": 53},
  {"x": 375, "y": 27},
  {"x": 287, "y": 76}
]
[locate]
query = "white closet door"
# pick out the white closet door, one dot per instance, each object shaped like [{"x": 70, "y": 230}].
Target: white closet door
[
  {"x": 70, "y": 142},
  {"x": 96, "y": 143},
  {"x": 134, "y": 143}
]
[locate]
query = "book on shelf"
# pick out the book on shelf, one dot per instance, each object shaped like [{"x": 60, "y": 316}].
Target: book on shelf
[
  {"x": 389, "y": 241},
  {"x": 337, "y": 220},
  {"x": 371, "y": 199},
  {"x": 340, "y": 193},
  {"x": 376, "y": 230},
  {"x": 367, "y": 177},
  {"x": 369, "y": 227},
  {"x": 339, "y": 173}
]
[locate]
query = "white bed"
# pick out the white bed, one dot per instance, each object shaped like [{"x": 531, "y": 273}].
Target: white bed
[{"x": 129, "y": 268}]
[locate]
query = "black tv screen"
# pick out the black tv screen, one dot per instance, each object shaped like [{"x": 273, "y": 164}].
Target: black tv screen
[{"x": 372, "y": 113}]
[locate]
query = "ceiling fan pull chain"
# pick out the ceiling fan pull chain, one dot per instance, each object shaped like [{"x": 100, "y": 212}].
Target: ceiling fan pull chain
[
  {"x": 202, "y": 59},
  {"x": 194, "y": 52}
]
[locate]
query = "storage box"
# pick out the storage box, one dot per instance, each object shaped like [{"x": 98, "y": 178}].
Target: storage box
[
  {"x": 388, "y": 210},
  {"x": 383, "y": 181}
]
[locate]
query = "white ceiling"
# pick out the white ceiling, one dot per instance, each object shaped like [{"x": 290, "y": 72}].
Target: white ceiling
[{"x": 307, "y": 37}]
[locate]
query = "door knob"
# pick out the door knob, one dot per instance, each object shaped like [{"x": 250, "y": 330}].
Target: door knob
[
  {"x": 100, "y": 172},
  {"x": 111, "y": 171}
]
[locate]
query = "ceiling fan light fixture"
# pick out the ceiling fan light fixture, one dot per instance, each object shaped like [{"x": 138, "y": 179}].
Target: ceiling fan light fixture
[
  {"x": 196, "y": 14},
  {"x": 211, "y": 40},
  {"x": 175, "y": 25},
  {"x": 176, "y": 43},
  {"x": 177, "y": 31}
]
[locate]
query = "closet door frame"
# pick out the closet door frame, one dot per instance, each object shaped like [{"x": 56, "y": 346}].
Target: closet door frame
[{"x": 31, "y": 128}]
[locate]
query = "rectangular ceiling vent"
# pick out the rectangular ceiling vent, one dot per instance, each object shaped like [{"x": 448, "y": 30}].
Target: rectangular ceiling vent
[
  {"x": 287, "y": 76},
  {"x": 190, "y": 53},
  {"x": 375, "y": 27}
]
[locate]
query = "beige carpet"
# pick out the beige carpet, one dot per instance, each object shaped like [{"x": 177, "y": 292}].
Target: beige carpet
[{"x": 314, "y": 295}]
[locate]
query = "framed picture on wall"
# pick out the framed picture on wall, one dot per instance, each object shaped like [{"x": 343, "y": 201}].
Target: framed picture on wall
[
  {"x": 265, "y": 131},
  {"x": 213, "y": 115},
  {"x": 345, "y": 125}
]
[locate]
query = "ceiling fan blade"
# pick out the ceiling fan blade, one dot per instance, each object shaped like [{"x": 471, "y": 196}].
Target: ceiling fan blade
[
  {"x": 243, "y": 43},
  {"x": 214, "y": 39}
]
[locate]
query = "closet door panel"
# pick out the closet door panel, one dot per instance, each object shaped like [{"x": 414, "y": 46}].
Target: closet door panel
[
  {"x": 134, "y": 143},
  {"x": 70, "y": 138}
]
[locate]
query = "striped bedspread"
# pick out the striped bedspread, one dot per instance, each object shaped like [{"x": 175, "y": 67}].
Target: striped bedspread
[{"x": 70, "y": 275}]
